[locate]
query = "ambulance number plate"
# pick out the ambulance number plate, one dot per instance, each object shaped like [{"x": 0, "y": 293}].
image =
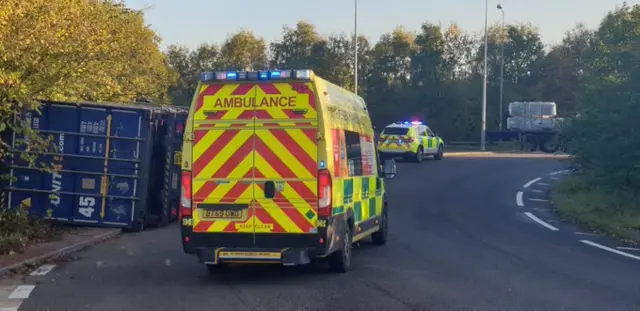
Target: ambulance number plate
[{"x": 222, "y": 211}]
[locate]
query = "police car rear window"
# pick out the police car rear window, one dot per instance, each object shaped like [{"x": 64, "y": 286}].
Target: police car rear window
[{"x": 395, "y": 131}]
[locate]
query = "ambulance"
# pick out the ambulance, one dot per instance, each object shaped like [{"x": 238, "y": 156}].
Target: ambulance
[{"x": 279, "y": 167}]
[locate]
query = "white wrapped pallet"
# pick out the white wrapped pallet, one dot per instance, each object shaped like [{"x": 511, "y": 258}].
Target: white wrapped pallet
[
  {"x": 532, "y": 109},
  {"x": 532, "y": 124}
]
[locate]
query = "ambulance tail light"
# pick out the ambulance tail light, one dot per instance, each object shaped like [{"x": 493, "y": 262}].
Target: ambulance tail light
[
  {"x": 324, "y": 193},
  {"x": 185, "y": 195}
]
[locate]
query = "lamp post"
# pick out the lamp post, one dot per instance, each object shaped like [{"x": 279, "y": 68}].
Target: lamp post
[
  {"x": 484, "y": 80},
  {"x": 355, "y": 43},
  {"x": 501, "y": 67}
]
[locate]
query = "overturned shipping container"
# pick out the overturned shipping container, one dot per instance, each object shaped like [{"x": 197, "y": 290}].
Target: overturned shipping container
[{"x": 107, "y": 159}]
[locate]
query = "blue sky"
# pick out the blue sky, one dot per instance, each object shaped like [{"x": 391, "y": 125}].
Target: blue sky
[{"x": 191, "y": 22}]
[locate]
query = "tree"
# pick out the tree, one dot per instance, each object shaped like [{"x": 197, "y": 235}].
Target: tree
[
  {"x": 299, "y": 48},
  {"x": 68, "y": 50},
  {"x": 188, "y": 65},
  {"x": 602, "y": 139},
  {"x": 244, "y": 51}
]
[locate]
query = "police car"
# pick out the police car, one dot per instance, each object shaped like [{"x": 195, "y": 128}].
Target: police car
[{"x": 411, "y": 140}]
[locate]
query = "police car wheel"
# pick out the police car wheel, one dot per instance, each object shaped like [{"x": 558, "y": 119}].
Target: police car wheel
[
  {"x": 380, "y": 237},
  {"x": 440, "y": 154},
  {"x": 340, "y": 261},
  {"x": 419, "y": 155}
]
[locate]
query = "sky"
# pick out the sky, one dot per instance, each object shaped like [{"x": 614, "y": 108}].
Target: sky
[{"x": 192, "y": 22}]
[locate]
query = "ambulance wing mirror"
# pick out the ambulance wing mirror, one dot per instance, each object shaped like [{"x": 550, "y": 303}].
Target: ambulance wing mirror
[{"x": 389, "y": 169}]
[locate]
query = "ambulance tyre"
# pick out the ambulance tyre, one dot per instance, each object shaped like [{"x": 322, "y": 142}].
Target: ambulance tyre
[
  {"x": 380, "y": 236},
  {"x": 439, "y": 154},
  {"x": 340, "y": 260},
  {"x": 419, "y": 155}
]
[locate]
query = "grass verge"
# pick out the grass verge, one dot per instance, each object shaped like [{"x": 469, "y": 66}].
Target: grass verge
[
  {"x": 18, "y": 230},
  {"x": 591, "y": 203}
]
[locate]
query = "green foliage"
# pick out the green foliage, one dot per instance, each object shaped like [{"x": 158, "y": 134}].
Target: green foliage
[{"x": 69, "y": 50}]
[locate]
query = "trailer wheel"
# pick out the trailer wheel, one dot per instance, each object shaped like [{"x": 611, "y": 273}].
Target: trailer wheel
[
  {"x": 549, "y": 144},
  {"x": 529, "y": 142}
]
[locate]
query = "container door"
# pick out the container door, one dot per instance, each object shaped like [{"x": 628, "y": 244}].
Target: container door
[{"x": 286, "y": 159}]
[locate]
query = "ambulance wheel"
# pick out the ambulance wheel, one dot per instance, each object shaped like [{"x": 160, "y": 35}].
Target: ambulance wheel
[
  {"x": 340, "y": 260},
  {"x": 380, "y": 237},
  {"x": 440, "y": 154},
  {"x": 419, "y": 155}
]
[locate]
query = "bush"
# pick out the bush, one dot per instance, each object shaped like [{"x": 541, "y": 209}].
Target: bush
[{"x": 18, "y": 230}]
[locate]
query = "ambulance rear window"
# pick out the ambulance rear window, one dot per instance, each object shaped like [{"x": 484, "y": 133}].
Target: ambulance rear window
[{"x": 395, "y": 131}]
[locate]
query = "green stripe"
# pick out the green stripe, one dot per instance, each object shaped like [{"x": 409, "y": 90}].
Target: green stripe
[
  {"x": 365, "y": 188},
  {"x": 348, "y": 190},
  {"x": 357, "y": 211},
  {"x": 372, "y": 207},
  {"x": 338, "y": 210}
]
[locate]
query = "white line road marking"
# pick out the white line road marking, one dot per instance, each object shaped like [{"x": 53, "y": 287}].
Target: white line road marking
[
  {"x": 537, "y": 200},
  {"x": 541, "y": 222},
  {"x": 22, "y": 292},
  {"x": 519, "y": 199},
  {"x": 585, "y": 233},
  {"x": 9, "y": 308},
  {"x": 531, "y": 182},
  {"x": 536, "y": 190},
  {"x": 609, "y": 249},
  {"x": 635, "y": 249},
  {"x": 559, "y": 172},
  {"x": 43, "y": 270},
  {"x": 543, "y": 184}
]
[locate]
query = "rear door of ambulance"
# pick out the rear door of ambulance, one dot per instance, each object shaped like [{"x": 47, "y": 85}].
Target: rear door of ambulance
[{"x": 255, "y": 159}]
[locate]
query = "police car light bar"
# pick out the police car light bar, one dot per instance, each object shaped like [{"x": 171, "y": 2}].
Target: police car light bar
[{"x": 255, "y": 75}]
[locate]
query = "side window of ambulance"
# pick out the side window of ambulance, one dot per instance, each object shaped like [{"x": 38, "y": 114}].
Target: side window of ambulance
[
  {"x": 354, "y": 153},
  {"x": 431, "y": 133}
]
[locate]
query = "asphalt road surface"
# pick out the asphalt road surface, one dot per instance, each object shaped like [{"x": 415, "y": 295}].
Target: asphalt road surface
[{"x": 457, "y": 242}]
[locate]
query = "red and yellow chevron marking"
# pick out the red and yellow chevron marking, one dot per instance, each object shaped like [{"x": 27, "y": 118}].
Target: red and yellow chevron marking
[
  {"x": 236, "y": 150},
  {"x": 245, "y": 96}
]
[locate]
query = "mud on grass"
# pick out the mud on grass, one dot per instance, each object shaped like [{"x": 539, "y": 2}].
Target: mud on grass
[{"x": 594, "y": 205}]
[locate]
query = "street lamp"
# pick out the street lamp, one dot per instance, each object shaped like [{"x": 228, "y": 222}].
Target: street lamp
[
  {"x": 484, "y": 80},
  {"x": 355, "y": 43},
  {"x": 501, "y": 66}
]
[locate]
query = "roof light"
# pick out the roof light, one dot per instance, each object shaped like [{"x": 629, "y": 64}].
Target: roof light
[
  {"x": 302, "y": 74},
  {"x": 255, "y": 75},
  {"x": 279, "y": 74},
  {"x": 206, "y": 76},
  {"x": 252, "y": 75},
  {"x": 416, "y": 122}
]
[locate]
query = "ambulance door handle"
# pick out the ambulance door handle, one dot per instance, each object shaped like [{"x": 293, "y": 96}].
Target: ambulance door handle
[{"x": 269, "y": 189}]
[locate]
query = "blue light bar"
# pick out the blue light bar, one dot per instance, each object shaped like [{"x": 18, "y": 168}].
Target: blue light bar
[
  {"x": 416, "y": 122},
  {"x": 302, "y": 74},
  {"x": 232, "y": 76},
  {"x": 279, "y": 74},
  {"x": 206, "y": 76}
]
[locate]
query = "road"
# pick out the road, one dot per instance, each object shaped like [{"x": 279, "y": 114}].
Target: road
[{"x": 457, "y": 242}]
